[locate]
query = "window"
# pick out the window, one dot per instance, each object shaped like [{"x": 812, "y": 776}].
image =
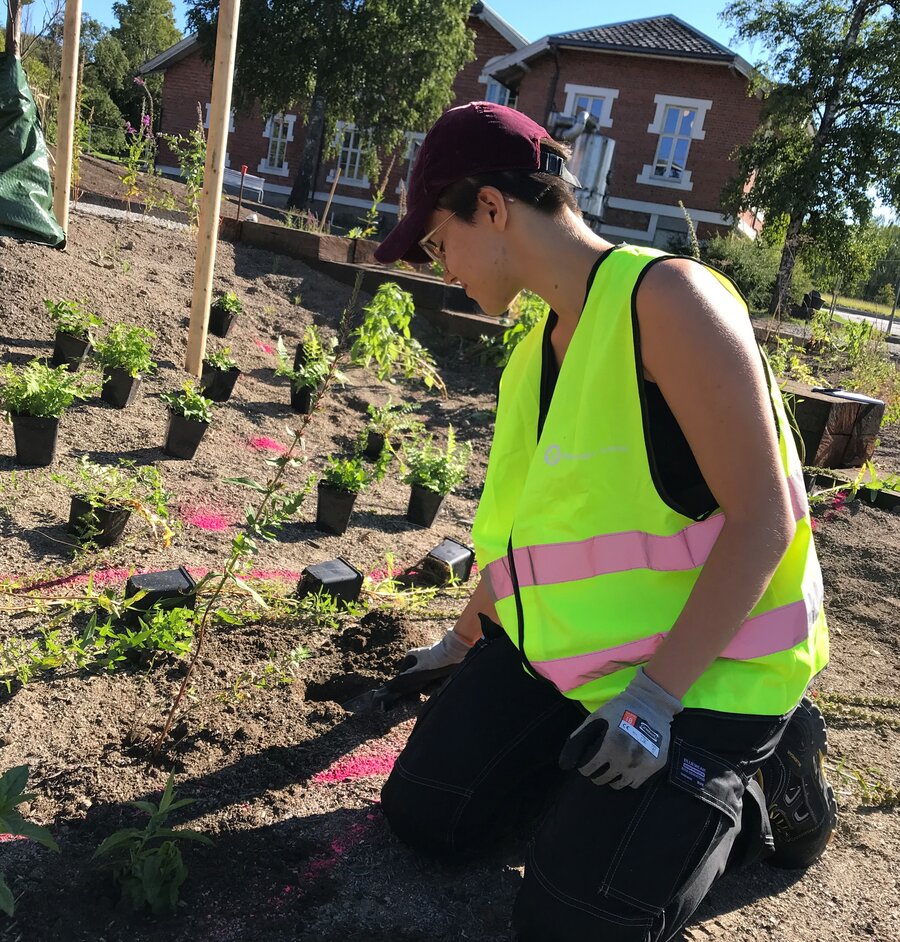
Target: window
[
  {"x": 500, "y": 94},
  {"x": 279, "y": 130},
  {"x": 677, "y": 122},
  {"x": 596, "y": 101},
  {"x": 206, "y": 118},
  {"x": 353, "y": 143},
  {"x": 674, "y": 142}
]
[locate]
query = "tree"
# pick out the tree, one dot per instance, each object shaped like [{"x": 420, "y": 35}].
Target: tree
[
  {"x": 830, "y": 137},
  {"x": 385, "y": 65}
]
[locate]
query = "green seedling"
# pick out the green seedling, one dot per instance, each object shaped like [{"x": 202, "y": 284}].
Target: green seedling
[
  {"x": 128, "y": 348},
  {"x": 189, "y": 403},
  {"x": 72, "y": 317},
  {"x": 319, "y": 359},
  {"x": 229, "y": 302},
  {"x": 42, "y": 391},
  {"x": 147, "y": 864},
  {"x": 345, "y": 474},
  {"x": 434, "y": 468},
  {"x": 221, "y": 360}
]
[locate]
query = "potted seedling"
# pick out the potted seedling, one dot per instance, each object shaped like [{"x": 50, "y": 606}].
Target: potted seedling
[
  {"x": 190, "y": 413},
  {"x": 34, "y": 397},
  {"x": 342, "y": 480},
  {"x": 105, "y": 496},
  {"x": 74, "y": 324},
  {"x": 222, "y": 313},
  {"x": 311, "y": 367},
  {"x": 432, "y": 473},
  {"x": 219, "y": 375},
  {"x": 386, "y": 423},
  {"x": 124, "y": 354}
]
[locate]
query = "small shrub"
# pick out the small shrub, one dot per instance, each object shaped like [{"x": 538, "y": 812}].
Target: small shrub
[
  {"x": 229, "y": 302},
  {"x": 42, "y": 391},
  {"x": 345, "y": 474},
  {"x": 162, "y": 631},
  {"x": 221, "y": 360},
  {"x": 146, "y": 864},
  {"x": 126, "y": 347},
  {"x": 72, "y": 317},
  {"x": 318, "y": 359},
  {"x": 434, "y": 468},
  {"x": 12, "y": 793},
  {"x": 190, "y": 403}
]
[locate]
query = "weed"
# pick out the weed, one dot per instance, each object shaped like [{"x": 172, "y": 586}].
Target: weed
[
  {"x": 370, "y": 220},
  {"x": 190, "y": 151},
  {"x": 147, "y": 864}
]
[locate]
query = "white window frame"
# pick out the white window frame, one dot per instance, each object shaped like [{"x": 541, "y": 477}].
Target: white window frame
[
  {"x": 506, "y": 95},
  {"x": 414, "y": 141},
  {"x": 206, "y": 118},
  {"x": 606, "y": 95},
  {"x": 288, "y": 121},
  {"x": 647, "y": 176},
  {"x": 342, "y": 128}
]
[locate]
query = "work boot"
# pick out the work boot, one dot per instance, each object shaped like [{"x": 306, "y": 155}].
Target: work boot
[{"x": 801, "y": 803}]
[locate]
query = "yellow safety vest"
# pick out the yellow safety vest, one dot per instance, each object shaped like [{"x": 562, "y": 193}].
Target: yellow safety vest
[{"x": 588, "y": 565}]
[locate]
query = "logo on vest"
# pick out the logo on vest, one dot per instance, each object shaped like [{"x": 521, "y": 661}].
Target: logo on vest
[{"x": 553, "y": 454}]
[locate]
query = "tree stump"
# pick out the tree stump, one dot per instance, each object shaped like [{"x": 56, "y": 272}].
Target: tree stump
[{"x": 833, "y": 432}]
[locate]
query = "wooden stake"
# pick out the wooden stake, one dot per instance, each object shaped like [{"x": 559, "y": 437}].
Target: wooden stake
[
  {"x": 334, "y": 183},
  {"x": 65, "y": 119},
  {"x": 211, "y": 198}
]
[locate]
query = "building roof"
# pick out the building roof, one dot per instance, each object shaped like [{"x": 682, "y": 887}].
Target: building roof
[
  {"x": 666, "y": 37},
  {"x": 186, "y": 46}
]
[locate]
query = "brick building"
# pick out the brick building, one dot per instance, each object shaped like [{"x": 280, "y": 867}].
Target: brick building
[
  {"x": 667, "y": 105},
  {"x": 270, "y": 146}
]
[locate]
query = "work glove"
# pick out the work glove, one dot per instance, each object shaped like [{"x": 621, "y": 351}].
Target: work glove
[
  {"x": 626, "y": 740},
  {"x": 446, "y": 653}
]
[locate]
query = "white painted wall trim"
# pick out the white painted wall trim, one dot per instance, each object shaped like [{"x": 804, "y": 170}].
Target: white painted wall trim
[
  {"x": 206, "y": 118},
  {"x": 662, "y": 209},
  {"x": 350, "y": 201},
  {"x": 648, "y": 178},
  {"x": 702, "y": 105},
  {"x": 609, "y": 95}
]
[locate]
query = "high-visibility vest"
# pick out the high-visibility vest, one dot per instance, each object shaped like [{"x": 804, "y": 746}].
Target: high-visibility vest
[{"x": 588, "y": 565}]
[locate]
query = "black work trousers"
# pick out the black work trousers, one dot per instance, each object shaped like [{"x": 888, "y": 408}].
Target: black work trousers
[{"x": 629, "y": 864}]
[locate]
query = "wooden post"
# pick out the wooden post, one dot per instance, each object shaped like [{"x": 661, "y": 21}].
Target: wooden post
[
  {"x": 14, "y": 28},
  {"x": 65, "y": 119},
  {"x": 211, "y": 198}
]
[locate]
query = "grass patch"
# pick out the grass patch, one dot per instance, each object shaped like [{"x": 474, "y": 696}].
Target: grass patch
[{"x": 853, "y": 304}]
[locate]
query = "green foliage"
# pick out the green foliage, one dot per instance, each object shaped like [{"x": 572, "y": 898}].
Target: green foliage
[
  {"x": 146, "y": 864},
  {"x": 221, "y": 360},
  {"x": 126, "y": 347},
  {"x": 787, "y": 362},
  {"x": 72, "y": 317},
  {"x": 527, "y": 310},
  {"x": 318, "y": 359},
  {"x": 434, "y": 468},
  {"x": 370, "y": 220},
  {"x": 42, "y": 391},
  {"x": 190, "y": 151},
  {"x": 345, "y": 474},
  {"x": 190, "y": 403},
  {"x": 161, "y": 631},
  {"x": 827, "y": 145},
  {"x": 753, "y": 266},
  {"x": 391, "y": 419},
  {"x": 229, "y": 302},
  {"x": 12, "y": 794},
  {"x": 384, "y": 338},
  {"x": 385, "y": 66},
  {"x": 302, "y": 222},
  {"x": 107, "y": 123}
]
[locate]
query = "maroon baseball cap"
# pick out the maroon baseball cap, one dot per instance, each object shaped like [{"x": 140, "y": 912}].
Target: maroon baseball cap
[{"x": 480, "y": 137}]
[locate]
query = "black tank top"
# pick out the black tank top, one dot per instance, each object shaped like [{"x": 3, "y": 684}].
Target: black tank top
[{"x": 675, "y": 471}]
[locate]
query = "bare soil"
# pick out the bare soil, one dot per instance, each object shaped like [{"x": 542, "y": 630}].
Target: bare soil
[{"x": 285, "y": 781}]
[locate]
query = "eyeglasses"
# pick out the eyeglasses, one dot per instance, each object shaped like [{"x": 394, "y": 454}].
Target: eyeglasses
[{"x": 429, "y": 247}]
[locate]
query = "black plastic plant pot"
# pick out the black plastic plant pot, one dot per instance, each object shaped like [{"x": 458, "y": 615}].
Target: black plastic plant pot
[
  {"x": 120, "y": 388},
  {"x": 35, "y": 439},
  {"x": 449, "y": 560},
  {"x": 423, "y": 505},
  {"x": 299, "y": 357},
  {"x": 334, "y": 577},
  {"x": 184, "y": 436},
  {"x": 218, "y": 385},
  {"x": 220, "y": 321},
  {"x": 374, "y": 445},
  {"x": 301, "y": 399},
  {"x": 333, "y": 509},
  {"x": 172, "y": 588},
  {"x": 69, "y": 350},
  {"x": 105, "y": 529}
]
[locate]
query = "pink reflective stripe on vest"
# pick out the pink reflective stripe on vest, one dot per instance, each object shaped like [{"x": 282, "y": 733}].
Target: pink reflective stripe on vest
[
  {"x": 553, "y": 563},
  {"x": 777, "y": 630}
]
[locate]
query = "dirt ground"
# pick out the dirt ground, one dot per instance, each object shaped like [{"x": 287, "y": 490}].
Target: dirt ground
[{"x": 285, "y": 781}]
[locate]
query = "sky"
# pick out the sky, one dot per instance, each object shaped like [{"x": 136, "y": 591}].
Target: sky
[{"x": 536, "y": 18}]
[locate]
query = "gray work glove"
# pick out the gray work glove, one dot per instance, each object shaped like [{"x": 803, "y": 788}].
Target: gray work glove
[
  {"x": 447, "y": 652},
  {"x": 626, "y": 740}
]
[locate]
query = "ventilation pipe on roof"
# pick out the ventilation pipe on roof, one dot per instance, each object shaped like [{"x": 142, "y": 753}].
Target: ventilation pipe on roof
[{"x": 583, "y": 122}]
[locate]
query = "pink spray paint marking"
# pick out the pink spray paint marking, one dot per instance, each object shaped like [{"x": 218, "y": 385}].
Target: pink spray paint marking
[
  {"x": 6, "y": 838},
  {"x": 265, "y": 347},
  {"x": 266, "y": 444},
  {"x": 359, "y": 765},
  {"x": 205, "y": 518}
]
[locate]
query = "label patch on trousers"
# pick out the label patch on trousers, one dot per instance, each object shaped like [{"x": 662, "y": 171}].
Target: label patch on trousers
[
  {"x": 641, "y": 731},
  {"x": 692, "y": 772}
]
